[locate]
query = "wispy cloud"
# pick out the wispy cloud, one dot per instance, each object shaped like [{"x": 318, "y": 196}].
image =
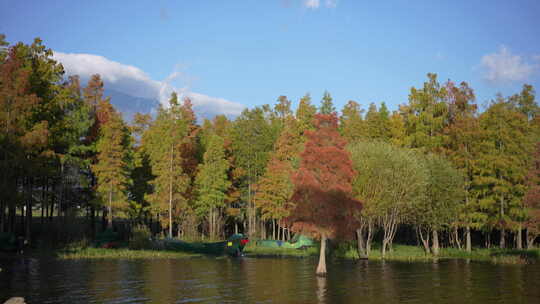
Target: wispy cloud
[
  {"x": 331, "y": 3},
  {"x": 313, "y": 4},
  {"x": 504, "y": 67},
  {"x": 133, "y": 81}
]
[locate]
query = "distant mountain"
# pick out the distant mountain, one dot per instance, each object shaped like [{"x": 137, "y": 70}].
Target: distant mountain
[{"x": 129, "y": 105}]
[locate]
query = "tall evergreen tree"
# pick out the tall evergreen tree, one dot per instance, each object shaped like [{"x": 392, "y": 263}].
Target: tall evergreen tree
[
  {"x": 253, "y": 138},
  {"x": 163, "y": 143},
  {"x": 427, "y": 116},
  {"x": 503, "y": 165},
  {"x": 212, "y": 184},
  {"x": 351, "y": 125},
  {"x": 112, "y": 167},
  {"x": 274, "y": 189},
  {"x": 462, "y": 145},
  {"x": 327, "y": 107},
  {"x": 305, "y": 113}
]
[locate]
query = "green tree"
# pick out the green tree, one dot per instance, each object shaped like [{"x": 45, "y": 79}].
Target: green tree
[
  {"x": 377, "y": 123},
  {"x": 502, "y": 166},
  {"x": 305, "y": 113},
  {"x": 253, "y": 138},
  {"x": 163, "y": 144},
  {"x": 112, "y": 167},
  {"x": 439, "y": 209},
  {"x": 352, "y": 126},
  {"x": 275, "y": 188},
  {"x": 462, "y": 146},
  {"x": 283, "y": 107},
  {"x": 327, "y": 107},
  {"x": 390, "y": 182},
  {"x": 212, "y": 184},
  {"x": 427, "y": 116}
]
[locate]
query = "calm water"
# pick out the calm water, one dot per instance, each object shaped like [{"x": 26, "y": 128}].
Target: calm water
[{"x": 250, "y": 280}]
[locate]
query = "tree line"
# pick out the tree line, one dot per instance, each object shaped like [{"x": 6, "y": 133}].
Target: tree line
[{"x": 436, "y": 165}]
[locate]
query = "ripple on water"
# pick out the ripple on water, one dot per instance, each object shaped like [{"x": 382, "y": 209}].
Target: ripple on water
[{"x": 251, "y": 280}]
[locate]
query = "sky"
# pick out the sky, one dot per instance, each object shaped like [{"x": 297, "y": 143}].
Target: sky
[{"x": 232, "y": 54}]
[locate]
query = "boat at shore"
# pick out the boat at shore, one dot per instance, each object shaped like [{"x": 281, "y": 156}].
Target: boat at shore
[{"x": 233, "y": 246}]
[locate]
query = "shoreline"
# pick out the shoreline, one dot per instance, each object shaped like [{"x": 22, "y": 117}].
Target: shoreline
[{"x": 401, "y": 253}]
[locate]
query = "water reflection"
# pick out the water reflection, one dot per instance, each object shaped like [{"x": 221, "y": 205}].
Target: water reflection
[
  {"x": 248, "y": 280},
  {"x": 321, "y": 289}
]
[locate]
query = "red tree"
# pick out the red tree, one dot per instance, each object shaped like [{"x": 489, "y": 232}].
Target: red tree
[{"x": 324, "y": 205}]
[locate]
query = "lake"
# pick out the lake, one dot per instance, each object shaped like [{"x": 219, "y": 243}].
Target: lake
[{"x": 265, "y": 280}]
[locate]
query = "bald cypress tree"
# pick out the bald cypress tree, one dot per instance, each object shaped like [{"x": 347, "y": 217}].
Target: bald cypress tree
[
  {"x": 304, "y": 114},
  {"x": 502, "y": 166},
  {"x": 324, "y": 206},
  {"x": 351, "y": 125},
  {"x": 212, "y": 185},
  {"x": 163, "y": 143},
  {"x": 327, "y": 107},
  {"x": 112, "y": 167}
]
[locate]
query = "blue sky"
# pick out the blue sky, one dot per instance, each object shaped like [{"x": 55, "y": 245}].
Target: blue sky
[{"x": 239, "y": 53}]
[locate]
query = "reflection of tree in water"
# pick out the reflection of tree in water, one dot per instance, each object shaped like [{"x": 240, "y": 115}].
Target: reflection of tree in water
[
  {"x": 159, "y": 280},
  {"x": 104, "y": 281},
  {"x": 321, "y": 289},
  {"x": 233, "y": 279}
]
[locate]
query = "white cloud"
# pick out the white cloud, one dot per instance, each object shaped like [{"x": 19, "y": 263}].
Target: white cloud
[
  {"x": 313, "y": 4},
  {"x": 133, "y": 81},
  {"x": 331, "y": 3},
  {"x": 124, "y": 78},
  {"x": 504, "y": 67}
]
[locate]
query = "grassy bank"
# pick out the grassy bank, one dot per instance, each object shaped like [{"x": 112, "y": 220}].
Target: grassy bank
[
  {"x": 405, "y": 253},
  {"x": 120, "y": 253}
]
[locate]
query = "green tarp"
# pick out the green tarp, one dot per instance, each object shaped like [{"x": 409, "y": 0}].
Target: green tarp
[{"x": 298, "y": 242}]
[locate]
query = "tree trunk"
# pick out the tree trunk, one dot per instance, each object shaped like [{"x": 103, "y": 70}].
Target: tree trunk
[
  {"x": 12, "y": 215},
  {"x": 531, "y": 237},
  {"x": 2, "y": 212},
  {"x": 360, "y": 243},
  {"x": 212, "y": 224},
  {"x": 273, "y": 229},
  {"x": 109, "y": 211},
  {"x": 369, "y": 238},
  {"x": 288, "y": 234},
  {"x": 519, "y": 237},
  {"x": 435, "y": 242},
  {"x": 321, "y": 268},
  {"x": 170, "y": 191},
  {"x": 383, "y": 248},
  {"x": 502, "y": 242},
  {"x": 424, "y": 240},
  {"x": 468, "y": 238},
  {"x": 456, "y": 235},
  {"x": 43, "y": 199},
  {"x": 92, "y": 221},
  {"x": 235, "y": 227}
]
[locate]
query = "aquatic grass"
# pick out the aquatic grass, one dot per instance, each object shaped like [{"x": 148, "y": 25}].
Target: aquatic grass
[{"x": 120, "y": 253}]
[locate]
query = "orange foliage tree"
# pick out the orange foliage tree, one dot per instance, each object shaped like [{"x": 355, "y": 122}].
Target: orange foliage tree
[{"x": 324, "y": 205}]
